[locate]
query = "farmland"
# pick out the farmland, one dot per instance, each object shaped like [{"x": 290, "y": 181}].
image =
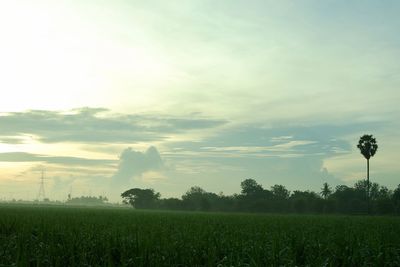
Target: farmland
[{"x": 66, "y": 236}]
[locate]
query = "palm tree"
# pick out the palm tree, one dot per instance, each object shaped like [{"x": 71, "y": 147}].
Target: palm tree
[
  {"x": 368, "y": 147},
  {"x": 325, "y": 190}
]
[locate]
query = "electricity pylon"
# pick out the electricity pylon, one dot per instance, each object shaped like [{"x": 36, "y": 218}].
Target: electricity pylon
[{"x": 41, "y": 193}]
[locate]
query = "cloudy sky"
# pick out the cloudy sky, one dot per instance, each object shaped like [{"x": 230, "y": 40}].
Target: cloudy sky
[{"x": 109, "y": 95}]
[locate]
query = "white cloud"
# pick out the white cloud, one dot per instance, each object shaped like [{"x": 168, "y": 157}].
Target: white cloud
[{"x": 135, "y": 163}]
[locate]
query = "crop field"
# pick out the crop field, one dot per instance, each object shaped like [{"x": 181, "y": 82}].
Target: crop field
[{"x": 65, "y": 236}]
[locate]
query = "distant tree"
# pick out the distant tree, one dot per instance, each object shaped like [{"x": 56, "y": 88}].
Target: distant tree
[
  {"x": 305, "y": 201},
  {"x": 368, "y": 147},
  {"x": 196, "y": 198},
  {"x": 280, "y": 197},
  {"x": 361, "y": 188},
  {"x": 360, "y": 191},
  {"x": 171, "y": 204},
  {"x": 254, "y": 197},
  {"x": 227, "y": 203},
  {"x": 347, "y": 199},
  {"x": 251, "y": 188},
  {"x": 141, "y": 198},
  {"x": 87, "y": 200},
  {"x": 384, "y": 192},
  {"x": 326, "y": 190},
  {"x": 280, "y": 192},
  {"x": 396, "y": 199},
  {"x": 383, "y": 201}
]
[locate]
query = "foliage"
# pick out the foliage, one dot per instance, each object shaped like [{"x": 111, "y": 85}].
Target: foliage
[
  {"x": 251, "y": 188},
  {"x": 141, "y": 198},
  {"x": 254, "y": 198},
  {"x": 367, "y": 145},
  {"x": 87, "y": 200},
  {"x": 54, "y": 236},
  {"x": 326, "y": 190},
  {"x": 198, "y": 199}
]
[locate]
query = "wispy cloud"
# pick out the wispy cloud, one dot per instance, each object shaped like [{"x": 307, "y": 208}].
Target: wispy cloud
[
  {"x": 280, "y": 141},
  {"x": 29, "y": 157},
  {"x": 289, "y": 149},
  {"x": 89, "y": 125}
]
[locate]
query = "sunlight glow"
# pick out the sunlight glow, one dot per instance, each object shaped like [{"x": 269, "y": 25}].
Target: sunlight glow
[{"x": 53, "y": 59}]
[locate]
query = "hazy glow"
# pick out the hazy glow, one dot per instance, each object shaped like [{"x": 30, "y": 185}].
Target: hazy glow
[
  {"x": 57, "y": 60},
  {"x": 223, "y": 90}
]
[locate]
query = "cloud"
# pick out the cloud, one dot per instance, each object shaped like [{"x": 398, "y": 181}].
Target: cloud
[
  {"x": 288, "y": 149},
  {"x": 153, "y": 177},
  {"x": 96, "y": 125},
  {"x": 322, "y": 140},
  {"x": 135, "y": 163},
  {"x": 29, "y": 157},
  {"x": 13, "y": 139}
]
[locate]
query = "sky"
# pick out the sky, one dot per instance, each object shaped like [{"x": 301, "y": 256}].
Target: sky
[{"x": 110, "y": 95}]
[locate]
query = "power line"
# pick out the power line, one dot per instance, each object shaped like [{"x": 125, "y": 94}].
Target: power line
[{"x": 41, "y": 193}]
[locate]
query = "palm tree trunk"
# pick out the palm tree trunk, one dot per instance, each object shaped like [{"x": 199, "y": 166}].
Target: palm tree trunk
[{"x": 368, "y": 206}]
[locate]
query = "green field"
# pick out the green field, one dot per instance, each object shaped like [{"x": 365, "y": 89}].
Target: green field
[{"x": 65, "y": 236}]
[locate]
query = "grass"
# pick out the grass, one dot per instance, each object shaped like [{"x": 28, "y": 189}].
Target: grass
[{"x": 62, "y": 236}]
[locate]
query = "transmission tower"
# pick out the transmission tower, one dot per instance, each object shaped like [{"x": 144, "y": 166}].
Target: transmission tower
[{"x": 41, "y": 193}]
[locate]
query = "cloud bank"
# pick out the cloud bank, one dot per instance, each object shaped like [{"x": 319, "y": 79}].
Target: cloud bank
[
  {"x": 96, "y": 125},
  {"x": 135, "y": 163}
]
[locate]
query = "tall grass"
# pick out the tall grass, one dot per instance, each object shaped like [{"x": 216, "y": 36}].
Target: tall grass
[{"x": 57, "y": 236}]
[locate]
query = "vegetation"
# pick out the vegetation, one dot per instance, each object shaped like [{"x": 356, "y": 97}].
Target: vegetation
[
  {"x": 277, "y": 199},
  {"x": 65, "y": 236},
  {"x": 141, "y": 198},
  {"x": 368, "y": 147},
  {"x": 87, "y": 200}
]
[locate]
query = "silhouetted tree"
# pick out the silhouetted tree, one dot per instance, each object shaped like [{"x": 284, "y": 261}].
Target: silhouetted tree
[
  {"x": 326, "y": 190},
  {"x": 280, "y": 192},
  {"x": 396, "y": 199},
  {"x": 141, "y": 198},
  {"x": 346, "y": 199},
  {"x": 171, "y": 204},
  {"x": 368, "y": 147},
  {"x": 280, "y": 196},
  {"x": 227, "y": 203},
  {"x": 383, "y": 201},
  {"x": 254, "y": 198},
  {"x": 361, "y": 188},
  {"x": 250, "y": 187},
  {"x": 305, "y": 201},
  {"x": 87, "y": 200},
  {"x": 197, "y": 198},
  {"x": 384, "y": 192}
]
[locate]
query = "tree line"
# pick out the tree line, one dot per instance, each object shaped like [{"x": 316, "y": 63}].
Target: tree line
[
  {"x": 277, "y": 199},
  {"x": 87, "y": 200}
]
